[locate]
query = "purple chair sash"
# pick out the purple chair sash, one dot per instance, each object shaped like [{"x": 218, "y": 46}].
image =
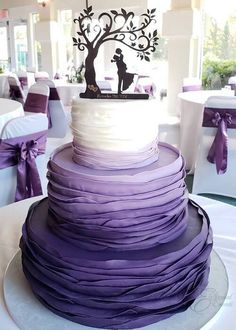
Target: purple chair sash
[
  {"x": 221, "y": 119},
  {"x": 54, "y": 96},
  {"x": 23, "y": 82},
  {"x": 15, "y": 93},
  {"x": 22, "y": 152},
  {"x": 38, "y": 103},
  {"x": 192, "y": 88},
  {"x": 233, "y": 86}
]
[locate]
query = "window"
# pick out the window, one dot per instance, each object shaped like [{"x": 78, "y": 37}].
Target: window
[
  {"x": 4, "y": 47},
  {"x": 37, "y": 44},
  {"x": 219, "y": 49},
  {"x": 65, "y": 42},
  {"x": 21, "y": 46}
]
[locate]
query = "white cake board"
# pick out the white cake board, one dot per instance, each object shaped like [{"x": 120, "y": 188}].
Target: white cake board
[{"x": 28, "y": 313}]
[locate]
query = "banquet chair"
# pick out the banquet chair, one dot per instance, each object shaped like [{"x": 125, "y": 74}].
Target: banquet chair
[
  {"x": 37, "y": 99},
  {"x": 216, "y": 156},
  {"x": 22, "y": 76},
  {"x": 144, "y": 84},
  {"x": 41, "y": 75},
  {"x": 192, "y": 84},
  {"x": 104, "y": 85},
  {"x": 58, "y": 116},
  {"x": 23, "y": 163},
  {"x": 232, "y": 83},
  {"x": 16, "y": 92}
]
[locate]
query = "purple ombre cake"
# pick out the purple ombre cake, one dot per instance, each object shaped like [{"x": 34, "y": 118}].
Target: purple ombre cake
[{"x": 117, "y": 244}]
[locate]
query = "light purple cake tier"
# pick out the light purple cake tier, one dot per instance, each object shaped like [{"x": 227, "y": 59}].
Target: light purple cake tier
[{"x": 123, "y": 209}]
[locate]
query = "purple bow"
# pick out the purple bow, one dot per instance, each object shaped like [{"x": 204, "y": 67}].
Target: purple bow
[
  {"x": 22, "y": 152},
  {"x": 222, "y": 119}
]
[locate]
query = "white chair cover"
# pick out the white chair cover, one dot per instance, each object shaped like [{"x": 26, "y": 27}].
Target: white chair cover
[
  {"x": 206, "y": 179},
  {"x": 18, "y": 127},
  {"x": 232, "y": 83},
  {"x": 37, "y": 99},
  {"x": 58, "y": 115},
  {"x": 30, "y": 78},
  {"x": 232, "y": 80},
  {"x": 41, "y": 75}
]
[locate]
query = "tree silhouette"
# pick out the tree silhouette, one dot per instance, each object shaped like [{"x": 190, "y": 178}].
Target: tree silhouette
[{"x": 113, "y": 26}]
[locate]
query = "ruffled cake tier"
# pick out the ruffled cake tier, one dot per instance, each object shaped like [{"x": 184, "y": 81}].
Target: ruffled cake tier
[
  {"x": 115, "y": 289},
  {"x": 124, "y": 209}
]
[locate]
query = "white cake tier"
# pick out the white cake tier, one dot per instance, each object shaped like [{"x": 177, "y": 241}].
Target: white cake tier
[{"x": 115, "y": 125}]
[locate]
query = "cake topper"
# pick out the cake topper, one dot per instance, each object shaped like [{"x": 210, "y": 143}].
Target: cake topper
[{"x": 116, "y": 26}]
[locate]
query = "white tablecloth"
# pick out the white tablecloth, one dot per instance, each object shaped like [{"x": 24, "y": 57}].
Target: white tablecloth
[
  {"x": 191, "y": 113},
  {"x": 9, "y": 109},
  {"x": 4, "y": 86},
  {"x": 67, "y": 90},
  {"x": 223, "y": 221}
]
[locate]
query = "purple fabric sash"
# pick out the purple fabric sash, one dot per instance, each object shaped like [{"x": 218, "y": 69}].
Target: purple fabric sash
[
  {"x": 54, "y": 96},
  {"x": 221, "y": 119},
  {"x": 38, "y": 103},
  {"x": 22, "y": 152},
  {"x": 15, "y": 93},
  {"x": 192, "y": 88},
  {"x": 23, "y": 81},
  {"x": 233, "y": 86}
]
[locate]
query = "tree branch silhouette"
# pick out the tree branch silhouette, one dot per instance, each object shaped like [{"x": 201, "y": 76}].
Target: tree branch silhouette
[{"x": 134, "y": 36}]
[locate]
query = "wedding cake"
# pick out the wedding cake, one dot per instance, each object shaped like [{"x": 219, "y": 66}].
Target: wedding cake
[{"x": 117, "y": 244}]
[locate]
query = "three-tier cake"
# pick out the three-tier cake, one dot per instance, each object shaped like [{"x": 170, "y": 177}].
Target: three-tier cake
[{"x": 117, "y": 244}]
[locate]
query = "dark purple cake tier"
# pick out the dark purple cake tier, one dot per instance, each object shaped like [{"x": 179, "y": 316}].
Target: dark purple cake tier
[
  {"x": 120, "y": 209},
  {"x": 115, "y": 289}
]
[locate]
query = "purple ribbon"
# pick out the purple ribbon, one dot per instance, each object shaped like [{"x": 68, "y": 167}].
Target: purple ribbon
[
  {"x": 221, "y": 119},
  {"x": 22, "y": 152},
  {"x": 192, "y": 88}
]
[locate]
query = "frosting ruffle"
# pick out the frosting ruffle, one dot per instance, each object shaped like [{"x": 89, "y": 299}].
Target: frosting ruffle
[
  {"x": 113, "y": 289},
  {"x": 124, "y": 209},
  {"x": 108, "y": 160}
]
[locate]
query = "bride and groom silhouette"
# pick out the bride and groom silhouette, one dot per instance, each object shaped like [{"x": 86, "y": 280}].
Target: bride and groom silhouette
[{"x": 125, "y": 79}]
